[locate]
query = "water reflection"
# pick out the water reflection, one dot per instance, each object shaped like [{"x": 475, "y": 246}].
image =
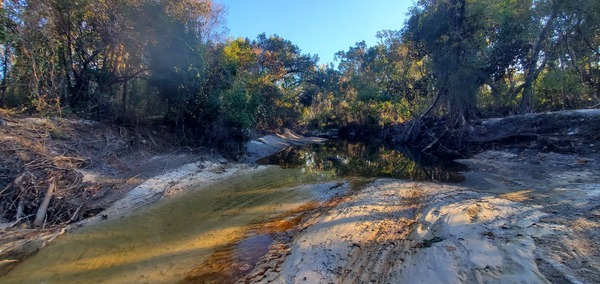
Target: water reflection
[{"x": 354, "y": 159}]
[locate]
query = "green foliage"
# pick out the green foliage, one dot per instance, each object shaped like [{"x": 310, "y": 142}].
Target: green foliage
[
  {"x": 145, "y": 58},
  {"x": 380, "y": 85},
  {"x": 494, "y": 50},
  {"x": 560, "y": 89},
  {"x": 238, "y": 106},
  {"x": 239, "y": 56}
]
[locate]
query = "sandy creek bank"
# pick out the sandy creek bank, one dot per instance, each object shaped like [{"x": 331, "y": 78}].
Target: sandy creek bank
[
  {"x": 213, "y": 181},
  {"x": 519, "y": 216}
]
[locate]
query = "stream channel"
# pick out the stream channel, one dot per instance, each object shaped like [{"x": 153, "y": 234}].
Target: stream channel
[{"x": 217, "y": 232}]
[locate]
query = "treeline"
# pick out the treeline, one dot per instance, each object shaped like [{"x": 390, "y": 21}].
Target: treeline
[
  {"x": 463, "y": 59},
  {"x": 143, "y": 59}
]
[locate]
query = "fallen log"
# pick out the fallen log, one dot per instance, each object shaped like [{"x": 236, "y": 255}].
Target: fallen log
[{"x": 562, "y": 131}]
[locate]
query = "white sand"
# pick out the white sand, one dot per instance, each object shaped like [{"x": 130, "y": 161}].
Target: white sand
[
  {"x": 271, "y": 144},
  {"x": 379, "y": 234}
]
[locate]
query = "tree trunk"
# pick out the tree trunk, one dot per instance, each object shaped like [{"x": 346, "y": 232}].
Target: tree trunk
[
  {"x": 433, "y": 104},
  {"x": 532, "y": 69},
  {"x": 124, "y": 98},
  {"x": 527, "y": 97},
  {"x": 66, "y": 84},
  {"x": 5, "y": 67}
]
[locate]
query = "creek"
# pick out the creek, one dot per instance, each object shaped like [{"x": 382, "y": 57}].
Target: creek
[{"x": 214, "y": 228}]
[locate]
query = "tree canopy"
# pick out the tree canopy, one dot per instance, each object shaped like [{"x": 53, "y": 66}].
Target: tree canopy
[{"x": 116, "y": 59}]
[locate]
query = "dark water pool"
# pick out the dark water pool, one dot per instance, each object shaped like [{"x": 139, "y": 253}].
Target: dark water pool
[{"x": 354, "y": 159}]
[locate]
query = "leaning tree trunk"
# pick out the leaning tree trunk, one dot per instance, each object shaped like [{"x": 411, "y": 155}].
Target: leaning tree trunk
[{"x": 533, "y": 70}]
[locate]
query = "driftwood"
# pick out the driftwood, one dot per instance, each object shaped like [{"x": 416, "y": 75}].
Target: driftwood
[
  {"x": 563, "y": 131},
  {"x": 40, "y": 215}
]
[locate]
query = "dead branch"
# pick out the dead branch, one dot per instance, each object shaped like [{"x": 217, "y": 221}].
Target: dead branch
[
  {"x": 41, "y": 212},
  {"x": 20, "y": 208},
  {"x": 132, "y": 178},
  {"x": 18, "y": 182},
  {"x": 151, "y": 138},
  {"x": 6, "y": 188},
  {"x": 73, "y": 162},
  {"x": 19, "y": 220},
  {"x": 437, "y": 139},
  {"x": 74, "y": 216}
]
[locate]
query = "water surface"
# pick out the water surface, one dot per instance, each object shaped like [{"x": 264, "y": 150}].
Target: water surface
[
  {"x": 355, "y": 159},
  {"x": 163, "y": 243}
]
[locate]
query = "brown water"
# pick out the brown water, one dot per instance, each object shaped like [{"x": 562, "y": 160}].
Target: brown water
[{"x": 165, "y": 242}]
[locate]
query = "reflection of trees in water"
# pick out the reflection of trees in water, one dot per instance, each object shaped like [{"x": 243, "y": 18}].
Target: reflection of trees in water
[{"x": 357, "y": 159}]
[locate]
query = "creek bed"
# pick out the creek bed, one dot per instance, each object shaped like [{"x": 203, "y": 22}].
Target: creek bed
[{"x": 212, "y": 226}]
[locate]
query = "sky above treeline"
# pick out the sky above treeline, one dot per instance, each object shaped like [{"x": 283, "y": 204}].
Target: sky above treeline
[{"x": 321, "y": 27}]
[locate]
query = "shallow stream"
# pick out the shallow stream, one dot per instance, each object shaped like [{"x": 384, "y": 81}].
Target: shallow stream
[{"x": 213, "y": 228}]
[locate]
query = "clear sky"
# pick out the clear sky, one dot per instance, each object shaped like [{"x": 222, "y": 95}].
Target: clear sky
[{"x": 321, "y": 27}]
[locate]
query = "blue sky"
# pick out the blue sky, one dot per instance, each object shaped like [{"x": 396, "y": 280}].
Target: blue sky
[{"x": 321, "y": 27}]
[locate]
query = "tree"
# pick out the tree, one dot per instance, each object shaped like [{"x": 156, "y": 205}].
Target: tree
[
  {"x": 577, "y": 44},
  {"x": 446, "y": 32},
  {"x": 7, "y": 43},
  {"x": 379, "y": 85},
  {"x": 283, "y": 76},
  {"x": 476, "y": 43},
  {"x": 239, "y": 103},
  {"x": 535, "y": 61}
]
